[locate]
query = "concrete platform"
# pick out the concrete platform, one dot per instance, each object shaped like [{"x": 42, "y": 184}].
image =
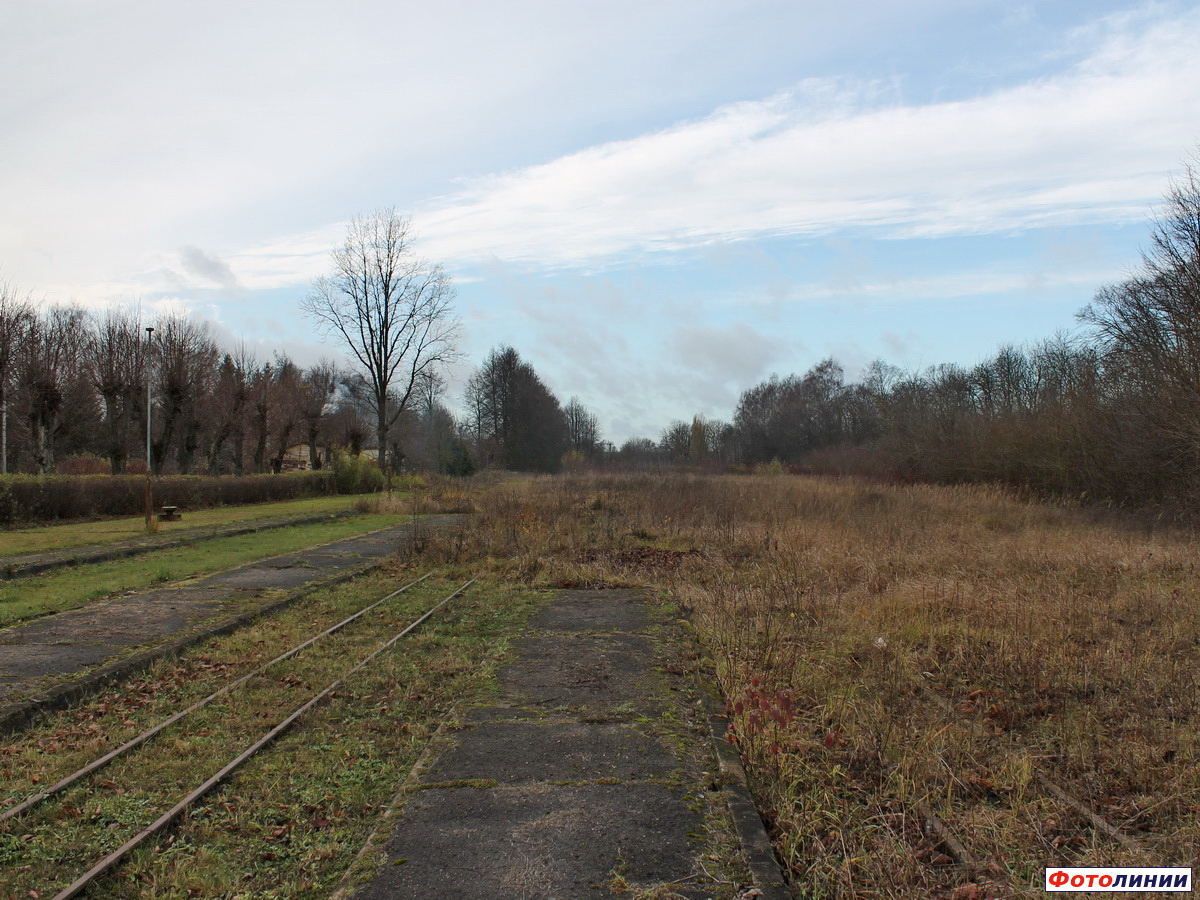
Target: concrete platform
[
  {"x": 56, "y": 659},
  {"x": 591, "y": 776}
]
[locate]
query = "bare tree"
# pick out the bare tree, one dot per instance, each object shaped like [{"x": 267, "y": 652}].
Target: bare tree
[
  {"x": 262, "y": 403},
  {"x": 676, "y": 440},
  {"x": 583, "y": 426},
  {"x": 519, "y": 422},
  {"x": 16, "y": 314},
  {"x": 1149, "y": 325},
  {"x": 231, "y": 395},
  {"x": 391, "y": 309},
  {"x": 289, "y": 406},
  {"x": 489, "y": 401},
  {"x": 317, "y": 391},
  {"x": 50, "y": 353},
  {"x": 433, "y": 437},
  {"x": 186, "y": 369},
  {"x": 116, "y": 365},
  {"x": 349, "y": 419}
]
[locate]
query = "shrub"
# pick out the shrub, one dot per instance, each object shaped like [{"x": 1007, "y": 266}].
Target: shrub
[
  {"x": 46, "y": 498},
  {"x": 83, "y": 464},
  {"x": 573, "y": 462},
  {"x": 356, "y": 474},
  {"x": 774, "y": 467},
  {"x": 458, "y": 462}
]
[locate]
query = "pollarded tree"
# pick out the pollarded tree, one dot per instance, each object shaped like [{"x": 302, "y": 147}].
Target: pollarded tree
[
  {"x": 317, "y": 391},
  {"x": 49, "y": 366},
  {"x": 289, "y": 407},
  {"x": 350, "y": 420},
  {"x": 391, "y": 309},
  {"x": 115, "y": 358},
  {"x": 273, "y": 411},
  {"x": 16, "y": 315},
  {"x": 231, "y": 398},
  {"x": 184, "y": 361}
]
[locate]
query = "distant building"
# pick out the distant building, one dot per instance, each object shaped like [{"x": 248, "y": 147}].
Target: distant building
[{"x": 296, "y": 457}]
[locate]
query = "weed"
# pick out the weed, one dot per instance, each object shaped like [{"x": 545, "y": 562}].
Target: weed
[{"x": 899, "y": 648}]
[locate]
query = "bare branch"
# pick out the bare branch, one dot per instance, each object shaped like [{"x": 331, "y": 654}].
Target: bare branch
[{"x": 391, "y": 309}]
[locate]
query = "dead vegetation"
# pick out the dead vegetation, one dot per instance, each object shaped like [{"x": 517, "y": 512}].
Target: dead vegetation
[{"x": 938, "y": 691}]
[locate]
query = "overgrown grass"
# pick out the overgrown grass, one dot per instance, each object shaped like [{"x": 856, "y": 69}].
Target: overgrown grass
[
  {"x": 58, "y": 537},
  {"x": 892, "y": 651},
  {"x": 289, "y": 823},
  {"x": 62, "y": 589}
]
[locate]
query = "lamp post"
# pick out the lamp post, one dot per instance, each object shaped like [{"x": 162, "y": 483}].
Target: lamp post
[{"x": 149, "y": 458}]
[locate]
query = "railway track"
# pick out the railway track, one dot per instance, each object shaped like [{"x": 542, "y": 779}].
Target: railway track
[
  {"x": 164, "y": 621},
  {"x": 1085, "y": 810},
  {"x": 947, "y": 840},
  {"x": 955, "y": 841},
  {"x": 242, "y": 723}
]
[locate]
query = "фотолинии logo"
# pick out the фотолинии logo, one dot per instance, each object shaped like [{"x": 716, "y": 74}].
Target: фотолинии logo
[{"x": 1124, "y": 878}]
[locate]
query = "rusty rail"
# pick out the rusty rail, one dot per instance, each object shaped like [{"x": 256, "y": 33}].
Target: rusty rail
[{"x": 163, "y": 821}]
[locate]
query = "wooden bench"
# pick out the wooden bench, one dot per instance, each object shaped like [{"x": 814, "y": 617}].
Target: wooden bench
[{"x": 169, "y": 514}]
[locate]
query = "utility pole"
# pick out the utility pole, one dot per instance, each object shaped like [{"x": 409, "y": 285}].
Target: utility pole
[{"x": 149, "y": 458}]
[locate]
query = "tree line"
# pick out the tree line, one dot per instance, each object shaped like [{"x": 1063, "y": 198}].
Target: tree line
[
  {"x": 74, "y": 385},
  {"x": 1112, "y": 412}
]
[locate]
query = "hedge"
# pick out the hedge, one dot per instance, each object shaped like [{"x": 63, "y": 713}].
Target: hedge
[{"x": 43, "y": 498}]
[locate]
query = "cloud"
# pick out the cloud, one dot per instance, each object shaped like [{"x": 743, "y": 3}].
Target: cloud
[
  {"x": 196, "y": 262},
  {"x": 736, "y": 353},
  {"x": 980, "y": 281},
  {"x": 289, "y": 260},
  {"x": 712, "y": 364},
  {"x": 1092, "y": 144}
]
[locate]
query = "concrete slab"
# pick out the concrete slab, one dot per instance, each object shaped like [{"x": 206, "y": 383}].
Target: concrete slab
[
  {"x": 323, "y": 559},
  {"x": 21, "y": 662},
  {"x": 531, "y": 801},
  {"x": 623, "y": 611},
  {"x": 122, "y": 621},
  {"x": 536, "y": 841},
  {"x": 266, "y": 577},
  {"x": 580, "y": 670},
  {"x": 517, "y": 752}
]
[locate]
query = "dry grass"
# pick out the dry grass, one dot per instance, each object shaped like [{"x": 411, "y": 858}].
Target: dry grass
[{"x": 895, "y": 651}]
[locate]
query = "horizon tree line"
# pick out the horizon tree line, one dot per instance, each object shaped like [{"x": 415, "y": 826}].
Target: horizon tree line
[{"x": 1111, "y": 413}]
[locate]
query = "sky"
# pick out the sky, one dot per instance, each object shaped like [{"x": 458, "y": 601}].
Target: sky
[{"x": 658, "y": 203}]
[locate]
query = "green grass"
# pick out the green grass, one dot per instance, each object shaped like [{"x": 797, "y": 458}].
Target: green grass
[
  {"x": 68, "y": 588},
  {"x": 292, "y": 820},
  {"x": 77, "y": 534}
]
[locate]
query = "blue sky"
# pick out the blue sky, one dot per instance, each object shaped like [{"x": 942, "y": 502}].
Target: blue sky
[{"x": 657, "y": 203}]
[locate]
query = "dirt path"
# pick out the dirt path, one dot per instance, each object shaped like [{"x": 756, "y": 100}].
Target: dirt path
[
  {"x": 56, "y": 659},
  {"x": 592, "y": 775}
]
